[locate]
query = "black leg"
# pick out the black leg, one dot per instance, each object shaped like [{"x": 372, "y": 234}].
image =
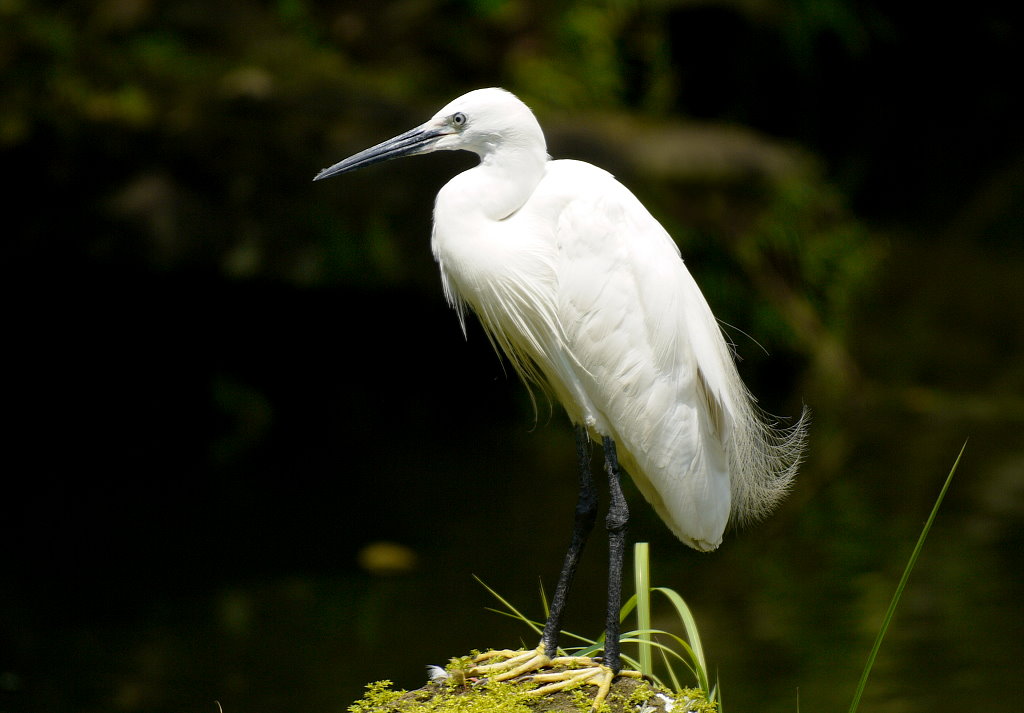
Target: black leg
[
  {"x": 583, "y": 523},
  {"x": 618, "y": 517}
]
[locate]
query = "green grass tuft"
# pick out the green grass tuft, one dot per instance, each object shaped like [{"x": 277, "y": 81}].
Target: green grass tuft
[{"x": 673, "y": 650}]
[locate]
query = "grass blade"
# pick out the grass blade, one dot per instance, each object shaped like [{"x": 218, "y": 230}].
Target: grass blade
[
  {"x": 515, "y": 612},
  {"x": 902, "y": 585},
  {"x": 642, "y": 580},
  {"x": 690, "y": 624},
  {"x": 676, "y": 685}
]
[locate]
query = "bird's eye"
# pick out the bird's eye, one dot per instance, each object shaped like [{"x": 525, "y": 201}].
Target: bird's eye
[{"x": 459, "y": 119}]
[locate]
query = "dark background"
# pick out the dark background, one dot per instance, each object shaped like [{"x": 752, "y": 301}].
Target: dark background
[{"x": 225, "y": 382}]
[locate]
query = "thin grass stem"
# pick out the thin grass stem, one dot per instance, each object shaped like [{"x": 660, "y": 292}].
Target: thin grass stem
[
  {"x": 642, "y": 580},
  {"x": 902, "y": 585}
]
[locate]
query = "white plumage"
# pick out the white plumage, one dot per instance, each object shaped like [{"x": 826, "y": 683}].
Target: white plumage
[{"x": 585, "y": 292}]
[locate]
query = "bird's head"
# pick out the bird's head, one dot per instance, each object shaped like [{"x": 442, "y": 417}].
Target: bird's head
[{"x": 482, "y": 121}]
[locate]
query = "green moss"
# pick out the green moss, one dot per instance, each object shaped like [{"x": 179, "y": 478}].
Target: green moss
[
  {"x": 461, "y": 695},
  {"x": 378, "y": 696},
  {"x": 694, "y": 700},
  {"x": 444, "y": 698}
]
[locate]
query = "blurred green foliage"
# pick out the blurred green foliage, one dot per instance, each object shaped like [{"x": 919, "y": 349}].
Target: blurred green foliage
[{"x": 187, "y": 134}]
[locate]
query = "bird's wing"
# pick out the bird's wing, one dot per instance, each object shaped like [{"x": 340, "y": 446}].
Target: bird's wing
[{"x": 648, "y": 352}]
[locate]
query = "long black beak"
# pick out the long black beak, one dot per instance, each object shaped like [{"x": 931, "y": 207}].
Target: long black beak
[{"x": 415, "y": 141}]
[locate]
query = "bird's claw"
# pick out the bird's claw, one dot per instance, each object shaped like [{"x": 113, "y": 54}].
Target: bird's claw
[
  {"x": 513, "y": 663},
  {"x": 574, "y": 671}
]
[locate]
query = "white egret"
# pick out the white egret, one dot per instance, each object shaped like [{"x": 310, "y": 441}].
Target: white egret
[{"x": 587, "y": 295}]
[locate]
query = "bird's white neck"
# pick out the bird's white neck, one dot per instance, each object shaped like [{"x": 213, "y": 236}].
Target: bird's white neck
[{"x": 504, "y": 179}]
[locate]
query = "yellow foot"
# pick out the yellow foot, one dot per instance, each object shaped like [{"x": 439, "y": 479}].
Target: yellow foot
[{"x": 573, "y": 671}]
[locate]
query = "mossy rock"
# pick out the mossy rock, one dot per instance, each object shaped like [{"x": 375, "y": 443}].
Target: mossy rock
[{"x": 626, "y": 694}]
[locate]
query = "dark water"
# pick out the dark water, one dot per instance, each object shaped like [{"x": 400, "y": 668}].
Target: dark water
[{"x": 202, "y": 481}]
